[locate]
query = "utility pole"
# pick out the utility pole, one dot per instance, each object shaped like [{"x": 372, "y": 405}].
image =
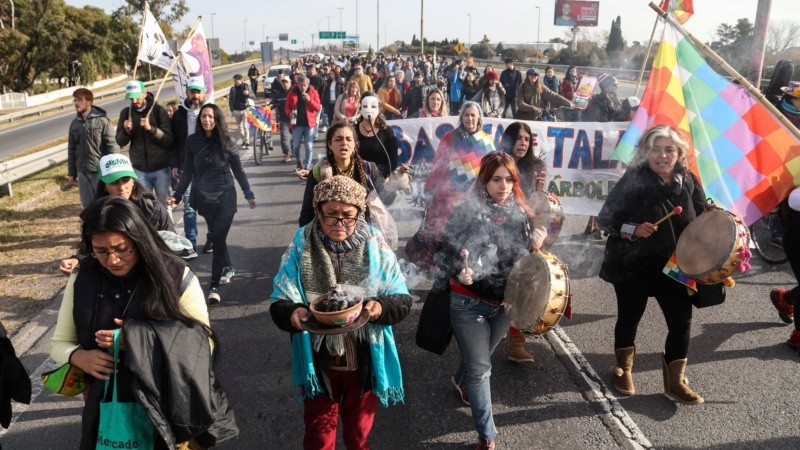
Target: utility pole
[
  {"x": 539, "y": 26},
  {"x": 378, "y": 28},
  {"x": 341, "y": 44},
  {"x": 358, "y": 36},
  {"x": 469, "y": 41},
  {"x": 312, "y": 40},
  {"x": 212, "y": 24},
  {"x": 329, "y": 23},
  {"x": 421, "y": 27},
  {"x": 245, "y": 38}
]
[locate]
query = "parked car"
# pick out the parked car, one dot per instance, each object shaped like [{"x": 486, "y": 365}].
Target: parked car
[{"x": 269, "y": 77}]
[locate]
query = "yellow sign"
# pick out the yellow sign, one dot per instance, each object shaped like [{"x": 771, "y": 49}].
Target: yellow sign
[{"x": 459, "y": 48}]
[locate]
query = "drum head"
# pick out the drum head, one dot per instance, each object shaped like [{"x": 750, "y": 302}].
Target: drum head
[
  {"x": 706, "y": 243},
  {"x": 527, "y": 291},
  {"x": 548, "y": 213}
]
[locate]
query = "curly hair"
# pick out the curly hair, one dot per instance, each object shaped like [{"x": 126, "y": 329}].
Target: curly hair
[{"x": 648, "y": 139}]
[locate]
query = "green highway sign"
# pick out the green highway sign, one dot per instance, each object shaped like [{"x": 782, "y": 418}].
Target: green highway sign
[
  {"x": 332, "y": 34},
  {"x": 294, "y": 41}
]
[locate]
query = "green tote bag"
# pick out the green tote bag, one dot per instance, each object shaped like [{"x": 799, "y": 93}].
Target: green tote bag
[{"x": 123, "y": 425}]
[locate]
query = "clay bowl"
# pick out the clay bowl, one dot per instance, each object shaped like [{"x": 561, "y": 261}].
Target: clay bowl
[{"x": 336, "y": 318}]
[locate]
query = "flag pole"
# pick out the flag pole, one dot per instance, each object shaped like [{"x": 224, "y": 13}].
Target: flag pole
[
  {"x": 141, "y": 36},
  {"x": 731, "y": 71},
  {"x": 172, "y": 66},
  {"x": 646, "y": 57}
]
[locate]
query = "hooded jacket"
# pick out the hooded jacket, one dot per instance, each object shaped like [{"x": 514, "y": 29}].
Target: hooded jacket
[
  {"x": 530, "y": 102},
  {"x": 89, "y": 140},
  {"x": 150, "y": 150},
  {"x": 180, "y": 133}
]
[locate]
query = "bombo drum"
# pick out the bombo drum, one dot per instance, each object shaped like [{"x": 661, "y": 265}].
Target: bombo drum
[
  {"x": 712, "y": 246},
  {"x": 537, "y": 294},
  {"x": 548, "y": 213}
]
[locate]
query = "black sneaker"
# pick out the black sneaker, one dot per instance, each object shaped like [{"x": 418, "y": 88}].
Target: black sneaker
[
  {"x": 227, "y": 275},
  {"x": 208, "y": 247},
  {"x": 213, "y": 296},
  {"x": 188, "y": 253}
]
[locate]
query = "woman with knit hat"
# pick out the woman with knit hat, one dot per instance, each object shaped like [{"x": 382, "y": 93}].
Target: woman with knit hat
[
  {"x": 492, "y": 96},
  {"x": 605, "y": 106},
  {"x": 344, "y": 374},
  {"x": 533, "y": 97}
]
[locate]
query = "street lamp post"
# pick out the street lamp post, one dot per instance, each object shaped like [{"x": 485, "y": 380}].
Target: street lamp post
[
  {"x": 341, "y": 44},
  {"x": 378, "y": 26},
  {"x": 264, "y": 32},
  {"x": 212, "y": 24},
  {"x": 469, "y": 40},
  {"x": 245, "y": 37},
  {"x": 539, "y": 26}
]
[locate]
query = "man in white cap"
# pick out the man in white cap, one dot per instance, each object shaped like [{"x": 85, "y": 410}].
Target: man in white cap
[
  {"x": 145, "y": 125},
  {"x": 184, "y": 122}
]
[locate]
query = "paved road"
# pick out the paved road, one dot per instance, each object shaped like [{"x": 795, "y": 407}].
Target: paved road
[
  {"x": 738, "y": 361},
  {"x": 27, "y": 135}
]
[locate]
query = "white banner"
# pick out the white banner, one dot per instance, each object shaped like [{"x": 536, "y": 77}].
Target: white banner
[
  {"x": 155, "y": 49},
  {"x": 576, "y": 153}
]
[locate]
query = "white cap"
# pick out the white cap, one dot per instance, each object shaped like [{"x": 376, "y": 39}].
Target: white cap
[
  {"x": 196, "y": 83},
  {"x": 633, "y": 101}
]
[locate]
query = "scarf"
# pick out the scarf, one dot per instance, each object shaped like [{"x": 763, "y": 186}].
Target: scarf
[
  {"x": 789, "y": 107},
  {"x": 392, "y": 99},
  {"x": 307, "y": 267}
]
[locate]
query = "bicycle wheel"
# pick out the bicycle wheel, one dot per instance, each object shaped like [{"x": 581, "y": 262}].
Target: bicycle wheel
[
  {"x": 258, "y": 153},
  {"x": 264, "y": 144},
  {"x": 761, "y": 234}
]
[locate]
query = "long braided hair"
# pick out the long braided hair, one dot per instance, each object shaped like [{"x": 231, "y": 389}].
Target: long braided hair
[{"x": 358, "y": 163}]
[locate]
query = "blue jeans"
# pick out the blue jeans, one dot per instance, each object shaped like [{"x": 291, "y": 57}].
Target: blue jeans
[
  {"x": 478, "y": 328},
  {"x": 160, "y": 180},
  {"x": 190, "y": 219},
  {"x": 306, "y": 134}
]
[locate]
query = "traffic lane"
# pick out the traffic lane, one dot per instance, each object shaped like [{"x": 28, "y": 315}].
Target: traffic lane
[
  {"x": 737, "y": 360},
  {"x": 30, "y": 134}
]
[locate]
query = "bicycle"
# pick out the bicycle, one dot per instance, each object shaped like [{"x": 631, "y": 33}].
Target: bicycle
[
  {"x": 761, "y": 237},
  {"x": 260, "y": 120},
  {"x": 262, "y": 144}
]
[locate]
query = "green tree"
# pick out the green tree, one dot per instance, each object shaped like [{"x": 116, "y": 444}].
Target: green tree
[
  {"x": 483, "y": 49},
  {"x": 499, "y": 49},
  {"x": 167, "y": 11},
  {"x": 615, "y": 47},
  {"x": 734, "y": 42}
]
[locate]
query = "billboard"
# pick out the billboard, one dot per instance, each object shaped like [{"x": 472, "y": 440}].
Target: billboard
[{"x": 576, "y": 13}]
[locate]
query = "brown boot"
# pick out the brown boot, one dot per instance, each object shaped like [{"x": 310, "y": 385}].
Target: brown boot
[
  {"x": 516, "y": 350},
  {"x": 676, "y": 386},
  {"x": 623, "y": 378}
]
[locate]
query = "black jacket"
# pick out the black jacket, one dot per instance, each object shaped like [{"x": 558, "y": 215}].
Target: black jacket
[
  {"x": 149, "y": 151},
  {"x": 14, "y": 380},
  {"x": 174, "y": 381},
  {"x": 495, "y": 238},
  {"x": 640, "y": 197}
]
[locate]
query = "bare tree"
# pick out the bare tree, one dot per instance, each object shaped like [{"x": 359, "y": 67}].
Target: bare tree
[{"x": 782, "y": 36}]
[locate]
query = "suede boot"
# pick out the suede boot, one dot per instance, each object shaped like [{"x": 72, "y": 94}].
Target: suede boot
[
  {"x": 676, "y": 386},
  {"x": 623, "y": 378},
  {"x": 516, "y": 351}
]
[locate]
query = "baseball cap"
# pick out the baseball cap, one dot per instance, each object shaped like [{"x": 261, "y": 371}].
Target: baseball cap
[
  {"x": 134, "y": 89},
  {"x": 793, "y": 89},
  {"x": 531, "y": 71},
  {"x": 113, "y": 167},
  {"x": 196, "y": 83}
]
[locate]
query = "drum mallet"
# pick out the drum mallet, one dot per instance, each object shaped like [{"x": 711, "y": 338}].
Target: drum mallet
[
  {"x": 465, "y": 255},
  {"x": 675, "y": 211}
]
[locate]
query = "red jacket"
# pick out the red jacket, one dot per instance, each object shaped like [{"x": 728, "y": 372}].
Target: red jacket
[{"x": 312, "y": 105}]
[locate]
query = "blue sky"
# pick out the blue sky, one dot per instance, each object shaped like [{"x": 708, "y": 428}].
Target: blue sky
[{"x": 510, "y": 21}]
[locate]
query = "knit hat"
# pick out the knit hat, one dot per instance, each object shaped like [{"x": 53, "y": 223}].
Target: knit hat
[
  {"x": 532, "y": 71},
  {"x": 491, "y": 75},
  {"x": 134, "y": 89},
  {"x": 114, "y": 166},
  {"x": 605, "y": 81},
  {"x": 792, "y": 90},
  {"x": 632, "y": 102},
  {"x": 340, "y": 188}
]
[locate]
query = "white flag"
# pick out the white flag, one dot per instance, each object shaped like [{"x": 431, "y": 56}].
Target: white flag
[
  {"x": 155, "y": 48},
  {"x": 194, "y": 60}
]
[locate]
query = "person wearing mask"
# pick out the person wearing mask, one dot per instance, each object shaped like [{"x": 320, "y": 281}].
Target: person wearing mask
[
  {"x": 147, "y": 128},
  {"x": 184, "y": 123},
  {"x": 302, "y": 104},
  {"x": 211, "y": 163},
  {"x": 492, "y": 96},
  {"x": 511, "y": 79},
  {"x": 237, "y": 103},
  {"x": 376, "y": 141},
  {"x": 533, "y": 98},
  {"x": 90, "y": 137}
]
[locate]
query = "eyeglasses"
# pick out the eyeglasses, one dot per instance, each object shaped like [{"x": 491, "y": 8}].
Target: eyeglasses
[
  {"x": 331, "y": 221},
  {"x": 121, "y": 254}
]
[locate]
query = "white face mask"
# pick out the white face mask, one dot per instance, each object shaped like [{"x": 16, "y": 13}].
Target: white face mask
[{"x": 370, "y": 107}]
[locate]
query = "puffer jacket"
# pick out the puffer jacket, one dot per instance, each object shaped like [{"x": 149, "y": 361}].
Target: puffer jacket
[
  {"x": 89, "y": 140},
  {"x": 530, "y": 103},
  {"x": 150, "y": 150}
]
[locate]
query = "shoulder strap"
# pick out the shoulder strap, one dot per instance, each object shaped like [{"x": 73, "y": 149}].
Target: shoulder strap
[{"x": 187, "y": 278}]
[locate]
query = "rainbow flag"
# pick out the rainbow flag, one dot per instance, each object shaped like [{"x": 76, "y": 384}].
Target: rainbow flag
[
  {"x": 673, "y": 271},
  {"x": 746, "y": 159},
  {"x": 680, "y": 9},
  {"x": 259, "y": 117}
]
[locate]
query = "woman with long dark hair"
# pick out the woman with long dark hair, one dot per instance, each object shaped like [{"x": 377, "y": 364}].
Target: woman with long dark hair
[
  {"x": 211, "y": 163},
  {"x": 128, "y": 273},
  {"x": 520, "y": 142},
  {"x": 494, "y": 225},
  {"x": 377, "y": 142}
]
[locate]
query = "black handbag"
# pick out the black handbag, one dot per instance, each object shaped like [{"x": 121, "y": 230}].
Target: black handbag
[
  {"x": 709, "y": 295},
  {"x": 434, "y": 331}
]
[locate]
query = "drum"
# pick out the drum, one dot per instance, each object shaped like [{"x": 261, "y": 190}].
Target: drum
[
  {"x": 549, "y": 214},
  {"x": 713, "y": 246},
  {"x": 537, "y": 294}
]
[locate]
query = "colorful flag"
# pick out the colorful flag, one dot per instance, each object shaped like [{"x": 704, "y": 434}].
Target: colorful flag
[
  {"x": 745, "y": 158},
  {"x": 681, "y": 9},
  {"x": 673, "y": 271},
  {"x": 194, "y": 59},
  {"x": 154, "y": 48}
]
